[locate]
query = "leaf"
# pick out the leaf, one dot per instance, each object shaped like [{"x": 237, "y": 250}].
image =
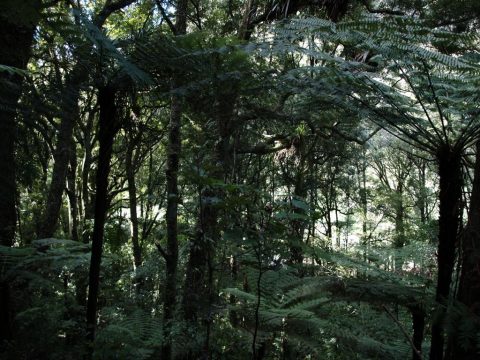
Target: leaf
[
  {"x": 13, "y": 70},
  {"x": 300, "y": 204}
]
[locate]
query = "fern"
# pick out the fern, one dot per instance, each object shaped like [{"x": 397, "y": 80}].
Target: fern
[
  {"x": 137, "y": 335},
  {"x": 311, "y": 311}
]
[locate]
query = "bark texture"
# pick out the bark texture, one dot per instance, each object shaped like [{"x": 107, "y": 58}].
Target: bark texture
[
  {"x": 449, "y": 163},
  {"x": 469, "y": 287},
  {"x": 62, "y": 154},
  {"x": 132, "y": 198},
  {"x": 171, "y": 217},
  {"x": 107, "y": 129},
  {"x": 17, "y": 25}
]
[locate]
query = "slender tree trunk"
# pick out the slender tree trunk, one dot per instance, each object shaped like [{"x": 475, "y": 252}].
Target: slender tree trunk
[
  {"x": 72, "y": 196},
  {"x": 364, "y": 204},
  {"x": 449, "y": 162},
  {"x": 173, "y": 161},
  {"x": 87, "y": 204},
  {"x": 418, "y": 324},
  {"x": 62, "y": 154},
  {"x": 337, "y": 226},
  {"x": 107, "y": 129},
  {"x": 299, "y": 194},
  {"x": 171, "y": 256},
  {"x": 17, "y": 24},
  {"x": 132, "y": 200},
  {"x": 399, "y": 241},
  {"x": 88, "y": 212},
  {"x": 423, "y": 196}
]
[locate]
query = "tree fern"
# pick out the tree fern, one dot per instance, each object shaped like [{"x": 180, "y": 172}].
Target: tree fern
[{"x": 137, "y": 335}]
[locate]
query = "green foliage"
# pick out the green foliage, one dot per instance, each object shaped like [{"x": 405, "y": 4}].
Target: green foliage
[
  {"x": 315, "y": 240},
  {"x": 135, "y": 335},
  {"x": 13, "y": 70}
]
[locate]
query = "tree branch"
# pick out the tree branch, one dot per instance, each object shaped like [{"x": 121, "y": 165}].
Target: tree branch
[
  {"x": 160, "y": 249},
  {"x": 381, "y": 11},
  {"x": 419, "y": 354},
  {"x": 109, "y": 8},
  {"x": 170, "y": 24}
]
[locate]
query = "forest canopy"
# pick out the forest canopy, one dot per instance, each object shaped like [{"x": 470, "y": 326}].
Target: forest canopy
[{"x": 226, "y": 179}]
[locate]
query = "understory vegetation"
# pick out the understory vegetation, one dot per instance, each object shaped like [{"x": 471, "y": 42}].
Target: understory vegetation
[{"x": 226, "y": 179}]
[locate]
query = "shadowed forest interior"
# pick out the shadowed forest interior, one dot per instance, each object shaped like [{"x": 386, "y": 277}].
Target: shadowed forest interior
[{"x": 239, "y": 179}]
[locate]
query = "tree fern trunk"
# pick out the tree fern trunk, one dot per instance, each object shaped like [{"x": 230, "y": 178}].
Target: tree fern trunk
[
  {"x": 449, "y": 162},
  {"x": 469, "y": 288}
]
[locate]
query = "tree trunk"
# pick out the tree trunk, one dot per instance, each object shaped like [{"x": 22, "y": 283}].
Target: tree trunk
[
  {"x": 449, "y": 162},
  {"x": 87, "y": 199},
  {"x": 132, "y": 200},
  {"x": 70, "y": 111},
  {"x": 422, "y": 203},
  {"x": 17, "y": 24},
  {"x": 469, "y": 287},
  {"x": 72, "y": 196},
  {"x": 299, "y": 194},
  {"x": 418, "y": 324},
  {"x": 195, "y": 294},
  {"x": 199, "y": 292},
  {"x": 399, "y": 241},
  {"x": 362, "y": 169},
  {"x": 171, "y": 216},
  {"x": 107, "y": 129}
]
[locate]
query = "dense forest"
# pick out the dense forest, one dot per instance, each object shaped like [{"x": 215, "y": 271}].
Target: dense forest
[{"x": 239, "y": 179}]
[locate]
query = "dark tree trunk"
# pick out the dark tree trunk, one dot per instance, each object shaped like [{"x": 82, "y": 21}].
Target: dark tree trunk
[
  {"x": 195, "y": 293},
  {"x": 171, "y": 256},
  {"x": 198, "y": 289},
  {"x": 87, "y": 199},
  {"x": 107, "y": 129},
  {"x": 132, "y": 200},
  {"x": 469, "y": 287},
  {"x": 422, "y": 202},
  {"x": 173, "y": 161},
  {"x": 364, "y": 204},
  {"x": 7, "y": 160},
  {"x": 449, "y": 162},
  {"x": 299, "y": 194},
  {"x": 17, "y": 24},
  {"x": 72, "y": 196},
  {"x": 399, "y": 241},
  {"x": 418, "y": 322}
]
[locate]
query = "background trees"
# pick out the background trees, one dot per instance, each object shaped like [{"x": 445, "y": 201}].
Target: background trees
[{"x": 239, "y": 180}]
